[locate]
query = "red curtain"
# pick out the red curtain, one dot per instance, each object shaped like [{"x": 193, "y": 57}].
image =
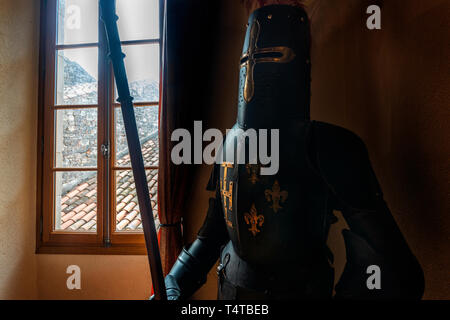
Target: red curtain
[
  {"x": 169, "y": 208},
  {"x": 186, "y": 30}
]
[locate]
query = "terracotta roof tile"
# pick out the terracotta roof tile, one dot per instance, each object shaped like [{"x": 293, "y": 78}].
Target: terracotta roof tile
[
  {"x": 72, "y": 203},
  {"x": 77, "y": 225},
  {"x": 133, "y": 225},
  {"x": 72, "y": 193},
  {"x": 125, "y": 185},
  {"x": 79, "y": 216},
  {"x": 151, "y": 183},
  {"x": 79, "y": 207},
  {"x": 90, "y": 207},
  {"x": 130, "y": 206},
  {"x": 121, "y": 215},
  {"x": 127, "y": 198},
  {"x": 123, "y": 174},
  {"x": 83, "y": 186},
  {"x": 67, "y": 224},
  {"x": 91, "y": 193},
  {"x": 120, "y": 206},
  {"x": 87, "y": 226},
  {"x": 132, "y": 215},
  {"x": 68, "y": 216},
  {"x": 90, "y": 215},
  {"x": 122, "y": 224}
]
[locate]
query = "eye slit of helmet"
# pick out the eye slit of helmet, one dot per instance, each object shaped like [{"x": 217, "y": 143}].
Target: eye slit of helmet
[
  {"x": 244, "y": 59},
  {"x": 268, "y": 55}
]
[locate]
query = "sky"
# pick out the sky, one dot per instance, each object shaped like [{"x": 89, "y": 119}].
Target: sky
[{"x": 138, "y": 19}]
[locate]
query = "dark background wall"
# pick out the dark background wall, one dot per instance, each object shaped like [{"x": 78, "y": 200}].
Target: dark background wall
[{"x": 391, "y": 87}]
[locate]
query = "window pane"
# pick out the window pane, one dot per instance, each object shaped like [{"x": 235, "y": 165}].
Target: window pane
[
  {"x": 77, "y": 21},
  {"x": 128, "y": 217},
  {"x": 76, "y": 201},
  {"x": 76, "y": 138},
  {"x": 76, "y": 76},
  {"x": 147, "y": 123},
  {"x": 138, "y": 19},
  {"x": 142, "y": 65}
]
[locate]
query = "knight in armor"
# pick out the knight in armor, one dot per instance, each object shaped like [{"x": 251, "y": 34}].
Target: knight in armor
[{"x": 270, "y": 231}]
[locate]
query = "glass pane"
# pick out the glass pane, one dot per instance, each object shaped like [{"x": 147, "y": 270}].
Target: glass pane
[
  {"x": 142, "y": 65},
  {"x": 77, "y": 21},
  {"x": 128, "y": 217},
  {"x": 76, "y": 76},
  {"x": 76, "y": 138},
  {"x": 138, "y": 19},
  {"x": 147, "y": 123},
  {"x": 76, "y": 201}
]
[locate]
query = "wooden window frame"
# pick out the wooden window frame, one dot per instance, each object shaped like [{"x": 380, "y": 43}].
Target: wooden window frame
[{"x": 106, "y": 240}]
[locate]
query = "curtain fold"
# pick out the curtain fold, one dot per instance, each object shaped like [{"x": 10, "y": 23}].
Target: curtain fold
[
  {"x": 186, "y": 34},
  {"x": 252, "y": 5}
]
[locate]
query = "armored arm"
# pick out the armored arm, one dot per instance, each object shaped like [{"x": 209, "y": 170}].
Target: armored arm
[
  {"x": 189, "y": 272},
  {"x": 374, "y": 238}
]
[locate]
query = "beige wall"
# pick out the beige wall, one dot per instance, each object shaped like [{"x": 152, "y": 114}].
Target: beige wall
[
  {"x": 102, "y": 277},
  {"x": 18, "y": 121},
  {"x": 392, "y": 88}
]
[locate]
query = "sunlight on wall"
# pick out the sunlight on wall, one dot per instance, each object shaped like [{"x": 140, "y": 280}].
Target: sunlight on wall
[{"x": 18, "y": 126}]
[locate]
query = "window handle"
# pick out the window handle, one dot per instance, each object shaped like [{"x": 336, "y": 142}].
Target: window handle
[{"x": 105, "y": 150}]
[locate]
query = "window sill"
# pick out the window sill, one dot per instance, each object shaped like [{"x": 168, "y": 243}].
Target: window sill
[{"x": 118, "y": 249}]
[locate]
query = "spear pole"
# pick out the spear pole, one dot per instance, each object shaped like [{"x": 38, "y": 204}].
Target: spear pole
[{"x": 109, "y": 18}]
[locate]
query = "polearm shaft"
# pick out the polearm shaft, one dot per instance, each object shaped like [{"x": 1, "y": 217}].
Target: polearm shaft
[{"x": 109, "y": 18}]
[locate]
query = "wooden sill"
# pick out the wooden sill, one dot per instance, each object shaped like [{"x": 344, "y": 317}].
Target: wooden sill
[{"x": 94, "y": 250}]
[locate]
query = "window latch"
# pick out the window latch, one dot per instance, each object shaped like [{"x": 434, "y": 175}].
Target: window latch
[{"x": 105, "y": 150}]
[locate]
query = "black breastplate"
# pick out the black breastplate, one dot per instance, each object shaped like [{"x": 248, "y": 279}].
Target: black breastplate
[{"x": 279, "y": 217}]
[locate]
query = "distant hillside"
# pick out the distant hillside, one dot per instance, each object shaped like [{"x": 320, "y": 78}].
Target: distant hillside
[
  {"x": 74, "y": 74},
  {"x": 81, "y": 88},
  {"x": 144, "y": 90}
]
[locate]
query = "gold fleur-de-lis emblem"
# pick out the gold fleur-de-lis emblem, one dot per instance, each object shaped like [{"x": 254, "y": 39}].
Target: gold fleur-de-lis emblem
[
  {"x": 255, "y": 55},
  {"x": 276, "y": 196},
  {"x": 253, "y": 171},
  {"x": 254, "y": 220}
]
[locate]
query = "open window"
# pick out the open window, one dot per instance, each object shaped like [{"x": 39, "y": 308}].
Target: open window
[{"x": 88, "y": 201}]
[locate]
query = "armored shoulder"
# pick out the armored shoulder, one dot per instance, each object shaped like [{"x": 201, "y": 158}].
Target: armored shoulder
[
  {"x": 213, "y": 228},
  {"x": 342, "y": 160},
  {"x": 213, "y": 178}
]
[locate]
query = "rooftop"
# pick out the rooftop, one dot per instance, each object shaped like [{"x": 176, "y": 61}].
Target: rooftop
[{"x": 79, "y": 204}]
